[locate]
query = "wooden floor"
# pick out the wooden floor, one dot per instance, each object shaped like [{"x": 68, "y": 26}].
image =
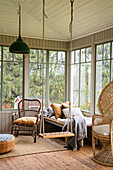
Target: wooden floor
[{"x": 61, "y": 160}]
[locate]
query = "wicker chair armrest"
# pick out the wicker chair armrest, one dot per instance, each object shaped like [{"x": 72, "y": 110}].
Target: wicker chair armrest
[
  {"x": 111, "y": 132},
  {"x": 15, "y": 116},
  {"x": 101, "y": 119},
  {"x": 37, "y": 119}
]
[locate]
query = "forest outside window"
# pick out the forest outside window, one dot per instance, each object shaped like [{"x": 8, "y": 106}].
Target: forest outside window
[
  {"x": 11, "y": 71},
  {"x": 35, "y": 74},
  {"x": 81, "y": 78},
  {"x": 54, "y": 76},
  {"x": 104, "y": 69}
]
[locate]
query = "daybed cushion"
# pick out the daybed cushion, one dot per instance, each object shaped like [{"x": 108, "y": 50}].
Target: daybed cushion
[
  {"x": 88, "y": 121},
  {"x": 74, "y": 112},
  {"x": 65, "y": 103},
  {"x": 64, "y": 106},
  {"x": 57, "y": 110},
  {"x": 101, "y": 129},
  {"x": 26, "y": 121}
]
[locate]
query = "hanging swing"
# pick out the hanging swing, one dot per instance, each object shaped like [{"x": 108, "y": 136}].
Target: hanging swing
[{"x": 55, "y": 134}]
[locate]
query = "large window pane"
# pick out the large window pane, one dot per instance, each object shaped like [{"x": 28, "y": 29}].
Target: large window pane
[
  {"x": 81, "y": 79},
  {"x": 103, "y": 69},
  {"x": 11, "y": 57},
  {"x": 75, "y": 84},
  {"x": 73, "y": 57},
  {"x": 83, "y": 55},
  {"x": 53, "y": 57},
  {"x": 88, "y": 54},
  {"x": 106, "y": 51},
  {"x": 85, "y": 86},
  {"x": 37, "y": 56},
  {"x": 112, "y": 51},
  {"x": 0, "y": 53},
  {"x": 99, "y": 52},
  {"x": 35, "y": 74},
  {"x": 61, "y": 57},
  {"x": 77, "y": 56},
  {"x": 35, "y": 80},
  {"x": 56, "y": 76},
  {"x": 0, "y": 77},
  {"x": 112, "y": 70},
  {"x": 55, "y": 72},
  {"x": 12, "y": 78}
]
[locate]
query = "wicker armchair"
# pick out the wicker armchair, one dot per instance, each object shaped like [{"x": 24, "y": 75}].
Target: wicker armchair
[
  {"x": 102, "y": 127},
  {"x": 25, "y": 121}
]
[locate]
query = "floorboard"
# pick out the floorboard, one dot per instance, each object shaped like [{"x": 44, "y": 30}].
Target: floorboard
[{"x": 61, "y": 160}]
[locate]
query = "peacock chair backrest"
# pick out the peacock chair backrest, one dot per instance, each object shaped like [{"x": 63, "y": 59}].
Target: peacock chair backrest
[{"x": 105, "y": 101}]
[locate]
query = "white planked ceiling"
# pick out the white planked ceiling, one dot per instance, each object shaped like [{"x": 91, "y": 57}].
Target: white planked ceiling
[{"x": 90, "y": 16}]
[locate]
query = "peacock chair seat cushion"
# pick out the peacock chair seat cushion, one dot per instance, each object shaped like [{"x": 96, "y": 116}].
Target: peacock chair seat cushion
[{"x": 102, "y": 129}]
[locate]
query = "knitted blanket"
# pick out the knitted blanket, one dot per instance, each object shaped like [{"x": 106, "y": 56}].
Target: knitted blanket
[{"x": 79, "y": 128}]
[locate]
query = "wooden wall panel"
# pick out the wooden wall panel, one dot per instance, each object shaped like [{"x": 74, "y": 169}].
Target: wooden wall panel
[
  {"x": 100, "y": 37},
  {"x": 103, "y": 36},
  {"x": 35, "y": 43},
  {"x": 82, "y": 42},
  {"x": 5, "y": 121}
]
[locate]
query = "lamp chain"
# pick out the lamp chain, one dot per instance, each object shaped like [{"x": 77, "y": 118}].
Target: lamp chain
[{"x": 19, "y": 21}]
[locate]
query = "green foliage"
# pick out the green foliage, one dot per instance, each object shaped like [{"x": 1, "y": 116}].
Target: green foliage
[
  {"x": 12, "y": 78},
  {"x": 56, "y": 75},
  {"x": 85, "y": 106}
]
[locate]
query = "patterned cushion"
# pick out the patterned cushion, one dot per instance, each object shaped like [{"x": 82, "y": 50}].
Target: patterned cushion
[
  {"x": 26, "y": 121},
  {"x": 6, "y": 137},
  {"x": 64, "y": 106}
]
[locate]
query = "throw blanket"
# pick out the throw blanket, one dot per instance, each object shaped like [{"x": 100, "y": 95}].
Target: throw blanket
[{"x": 79, "y": 129}]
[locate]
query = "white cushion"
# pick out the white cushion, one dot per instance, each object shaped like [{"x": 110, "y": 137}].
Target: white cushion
[
  {"x": 102, "y": 129},
  {"x": 53, "y": 117},
  {"x": 59, "y": 119},
  {"x": 74, "y": 112},
  {"x": 62, "y": 120}
]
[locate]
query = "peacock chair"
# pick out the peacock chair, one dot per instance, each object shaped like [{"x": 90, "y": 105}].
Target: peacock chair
[{"x": 102, "y": 127}]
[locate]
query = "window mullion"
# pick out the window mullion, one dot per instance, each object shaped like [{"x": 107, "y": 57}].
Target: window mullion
[
  {"x": 79, "y": 77},
  {"x": 1, "y": 77},
  {"x": 110, "y": 59},
  {"x": 47, "y": 79}
]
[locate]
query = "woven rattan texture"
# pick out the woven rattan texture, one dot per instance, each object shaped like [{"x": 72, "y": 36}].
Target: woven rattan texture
[
  {"x": 7, "y": 143},
  {"x": 105, "y": 102}
]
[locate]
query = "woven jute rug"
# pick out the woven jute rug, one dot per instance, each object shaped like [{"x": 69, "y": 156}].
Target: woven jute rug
[{"x": 25, "y": 145}]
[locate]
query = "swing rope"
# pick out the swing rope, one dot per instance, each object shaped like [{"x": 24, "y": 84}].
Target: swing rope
[
  {"x": 70, "y": 31},
  {"x": 58, "y": 134},
  {"x": 42, "y": 116}
]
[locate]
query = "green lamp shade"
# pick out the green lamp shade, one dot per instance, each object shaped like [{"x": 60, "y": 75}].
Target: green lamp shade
[{"x": 19, "y": 47}]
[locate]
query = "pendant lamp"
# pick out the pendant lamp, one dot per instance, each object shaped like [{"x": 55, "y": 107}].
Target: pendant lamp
[{"x": 19, "y": 46}]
